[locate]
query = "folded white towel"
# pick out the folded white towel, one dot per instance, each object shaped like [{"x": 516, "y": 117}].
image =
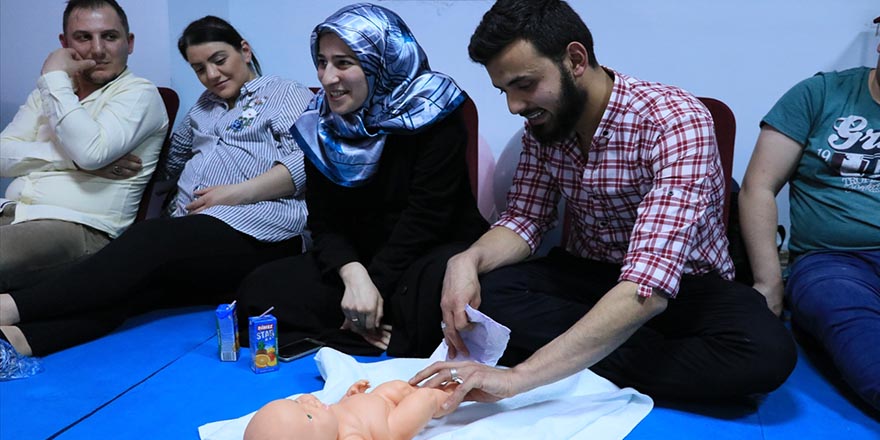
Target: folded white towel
[{"x": 583, "y": 406}]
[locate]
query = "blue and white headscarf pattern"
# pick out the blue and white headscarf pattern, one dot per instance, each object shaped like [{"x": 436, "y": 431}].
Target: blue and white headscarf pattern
[{"x": 404, "y": 95}]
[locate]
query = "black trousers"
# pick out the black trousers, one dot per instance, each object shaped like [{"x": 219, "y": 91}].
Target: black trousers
[
  {"x": 307, "y": 304},
  {"x": 717, "y": 339},
  {"x": 188, "y": 260}
]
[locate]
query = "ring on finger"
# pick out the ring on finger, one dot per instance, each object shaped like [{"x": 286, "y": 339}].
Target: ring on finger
[
  {"x": 117, "y": 170},
  {"x": 455, "y": 377}
]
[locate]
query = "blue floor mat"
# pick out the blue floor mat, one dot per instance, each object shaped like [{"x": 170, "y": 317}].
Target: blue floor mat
[
  {"x": 160, "y": 377},
  {"x": 80, "y": 380},
  {"x": 195, "y": 390}
]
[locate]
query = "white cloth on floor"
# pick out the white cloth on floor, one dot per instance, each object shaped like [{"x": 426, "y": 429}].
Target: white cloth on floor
[{"x": 583, "y": 406}]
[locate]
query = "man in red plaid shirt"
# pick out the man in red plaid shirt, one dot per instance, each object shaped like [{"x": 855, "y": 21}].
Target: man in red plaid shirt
[{"x": 642, "y": 293}]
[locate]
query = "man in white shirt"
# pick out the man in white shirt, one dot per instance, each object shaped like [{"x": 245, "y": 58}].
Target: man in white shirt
[{"x": 82, "y": 148}]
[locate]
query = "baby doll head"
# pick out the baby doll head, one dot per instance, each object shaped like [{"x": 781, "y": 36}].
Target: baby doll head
[{"x": 303, "y": 418}]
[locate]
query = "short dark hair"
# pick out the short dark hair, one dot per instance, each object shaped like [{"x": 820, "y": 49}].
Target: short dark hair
[
  {"x": 210, "y": 29},
  {"x": 92, "y": 5},
  {"x": 549, "y": 25}
]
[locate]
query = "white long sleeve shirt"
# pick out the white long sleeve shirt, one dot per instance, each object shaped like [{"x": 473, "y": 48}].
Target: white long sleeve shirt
[{"x": 54, "y": 131}]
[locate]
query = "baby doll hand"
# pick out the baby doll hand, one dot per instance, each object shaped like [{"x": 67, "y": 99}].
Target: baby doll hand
[{"x": 358, "y": 387}]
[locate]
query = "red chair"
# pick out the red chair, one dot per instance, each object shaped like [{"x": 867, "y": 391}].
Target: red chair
[
  {"x": 156, "y": 192},
  {"x": 725, "y": 135}
]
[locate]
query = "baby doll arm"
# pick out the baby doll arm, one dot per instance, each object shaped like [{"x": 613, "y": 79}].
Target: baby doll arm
[
  {"x": 393, "y": 391},
  {"x": 415, "y": 407},
  {"x": 358, "y": 387}
]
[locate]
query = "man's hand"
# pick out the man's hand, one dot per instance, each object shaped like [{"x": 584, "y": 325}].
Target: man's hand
[
  {"x": 478, "y": 382},
  {"x": 125, "y": 167},
  {"x": 229, "y": 195},
  {"x": 773, "y": 293},
  {"x": 66, "y": 60},
  {"x": 461, "y": 286}
]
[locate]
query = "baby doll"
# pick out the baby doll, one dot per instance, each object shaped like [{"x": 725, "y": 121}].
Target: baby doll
[{"x": 395, "y": 410}]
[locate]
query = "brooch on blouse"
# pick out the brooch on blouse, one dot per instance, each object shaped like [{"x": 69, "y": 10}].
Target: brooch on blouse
[{"x": 248, "y": 114}]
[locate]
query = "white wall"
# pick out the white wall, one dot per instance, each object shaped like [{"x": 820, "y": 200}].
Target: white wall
[
  {"x": 182, "y": 13},
  {"x": 29, "y": 31},
  {"x": 744, "y": 52}
]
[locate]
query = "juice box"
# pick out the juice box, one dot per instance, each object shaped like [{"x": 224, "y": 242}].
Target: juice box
[
  {"x": 264, "y": 343},
  {"x": 227, "y": 332}
]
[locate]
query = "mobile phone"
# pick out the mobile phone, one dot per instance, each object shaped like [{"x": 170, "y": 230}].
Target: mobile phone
[{"x": 297, "y": 349}]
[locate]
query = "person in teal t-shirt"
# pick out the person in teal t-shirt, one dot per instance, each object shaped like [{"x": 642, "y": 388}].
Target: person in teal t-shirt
[
  {"x": 836, "y": 123},
  {"x": 823, "y": 138}
]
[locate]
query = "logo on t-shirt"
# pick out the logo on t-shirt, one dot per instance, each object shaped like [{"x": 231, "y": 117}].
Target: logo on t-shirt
[{"x": 855, "y": 148}]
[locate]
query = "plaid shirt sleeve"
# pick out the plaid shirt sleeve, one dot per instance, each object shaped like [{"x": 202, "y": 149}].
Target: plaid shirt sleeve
[
  {"x": 686, "y": 168},
  {"x": 533, "y": 196}
]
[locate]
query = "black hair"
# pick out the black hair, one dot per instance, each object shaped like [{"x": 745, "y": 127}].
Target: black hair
[
  {"x": 91, "y": 5},
  {"x": 210, "y": 29},
  {"x": 549, "y": 25}
]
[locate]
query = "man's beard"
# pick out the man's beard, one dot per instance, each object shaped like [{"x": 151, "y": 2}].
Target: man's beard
[{"x": 572, "y": 102}]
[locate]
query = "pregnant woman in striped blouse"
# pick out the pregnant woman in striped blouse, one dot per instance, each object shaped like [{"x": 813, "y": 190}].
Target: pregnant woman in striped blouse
[{"x": 239, "y": 205}]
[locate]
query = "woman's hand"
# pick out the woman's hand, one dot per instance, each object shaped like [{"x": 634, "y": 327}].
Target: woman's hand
[
  {"x": 123, "y": 168},
  {"x": 362, "y": 305},
  {"x": 229, "y": 195},
  {"x": 378, "y": 338},
  {"x": 270, "y": 185}
]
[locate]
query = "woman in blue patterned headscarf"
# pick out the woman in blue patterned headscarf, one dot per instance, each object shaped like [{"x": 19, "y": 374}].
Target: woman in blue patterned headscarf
[
  {"x": 403, "y": 94},
  {"x": 388, "y": 194}
]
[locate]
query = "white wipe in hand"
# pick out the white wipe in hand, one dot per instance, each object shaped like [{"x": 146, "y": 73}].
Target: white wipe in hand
[{"x": 485, "y": 339}]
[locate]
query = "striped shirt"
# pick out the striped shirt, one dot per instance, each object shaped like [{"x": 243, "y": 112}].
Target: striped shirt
[
  {"x": 215, "y": 145},
  {"x": 649, "y": 195}
]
